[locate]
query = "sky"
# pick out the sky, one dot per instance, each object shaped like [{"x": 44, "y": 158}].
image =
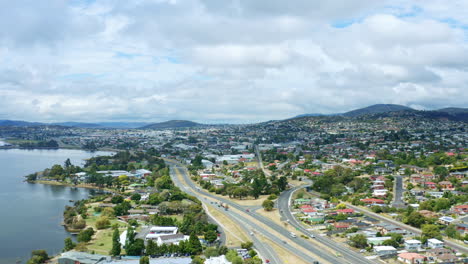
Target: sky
[{"x": 231, "y": 61}]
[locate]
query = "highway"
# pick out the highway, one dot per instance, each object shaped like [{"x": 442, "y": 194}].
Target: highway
[
  {"x": 263, "y": 249},
  {"x": 284, "y": 205},
  {"x": 192, "y": 189}
]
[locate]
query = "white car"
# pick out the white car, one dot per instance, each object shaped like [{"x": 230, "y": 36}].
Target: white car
[{"x": 293, "y": 235}]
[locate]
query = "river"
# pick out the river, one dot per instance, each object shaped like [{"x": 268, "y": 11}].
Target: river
[{"x": 31, "y": 214}]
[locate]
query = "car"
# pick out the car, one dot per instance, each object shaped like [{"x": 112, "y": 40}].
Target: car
[
  {"x": 251, "y": 233},
  {"x": 293, "y": 235},
  {"x": 312, "y": 236}
]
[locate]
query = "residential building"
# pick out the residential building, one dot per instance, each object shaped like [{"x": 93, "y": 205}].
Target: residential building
[
  {"x": 411, "y": 258},
  {"x": 385, "y": 250},
  {"x": 413, "y": 245},
  {"x": 435, "y": 243}
]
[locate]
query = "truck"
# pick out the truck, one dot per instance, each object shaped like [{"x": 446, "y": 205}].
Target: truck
[{"x": 224, "y": 205}]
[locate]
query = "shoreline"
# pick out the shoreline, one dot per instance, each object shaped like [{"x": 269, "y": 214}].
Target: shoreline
[{"x": 85, "y": 186}]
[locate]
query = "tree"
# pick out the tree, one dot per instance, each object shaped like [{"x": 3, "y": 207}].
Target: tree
[
  {"x": 256, "y": 188},
  {"x": 441, "y": 204},
  {"x": 135, "y": 248},
  {"x": 359, "y": 241},
  {"x": 247, "y": 245},
  {"x": 211, "y": 236},
  {"x": 152, "y": 248},
  {"x": 115, "y": 251},
  {"x": 85, "y": 235},
  {"x": 268, "y": 205},
  {"x": 415, "y": 219},
  {"x": 431, "y": 231},
  {"x": 103, "y": 222},
  {"x": 136, "y": 197},
  {"x": 117, "y": 199},
  {"x": 38, "y": 257},
  {"x": 451, "y": 231},
  {"x": 144, "y": 260},
  {"x": 282, "y": 183},
  {"x": 194, "y": 246},
  {"x": 69, "y": 245}
]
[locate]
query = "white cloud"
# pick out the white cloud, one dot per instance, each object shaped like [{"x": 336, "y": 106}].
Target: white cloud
[{"x": 238, "y": 61}]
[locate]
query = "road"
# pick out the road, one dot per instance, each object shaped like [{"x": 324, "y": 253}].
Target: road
[
  {"x": 398, "y": 192},
  {"x": 260, "y": 162},
  {"x": 263, "y": 249},
  {"x": 284, "y": 205},
  {"x": 291, "y": 243}
]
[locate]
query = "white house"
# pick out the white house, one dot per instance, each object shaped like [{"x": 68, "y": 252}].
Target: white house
[
  {"x": 446, "y": 220},
  {"x": 157, "y": 231},
  {"x": 435, "y": 243},
  {"x": 380, "y": 193},
  {"x": 385, "y": 250},
  {"x": 413, "y": 245},
  {"x": 171, "y": 239},
  {"x": 142, "y": 173}
]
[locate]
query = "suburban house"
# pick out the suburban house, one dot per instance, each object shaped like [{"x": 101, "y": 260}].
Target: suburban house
[
  {"x": 347, "y": 211},
  {"x": 385, "y": 250},
  {"x": 446, "y": 185},
  {"x": 413, "y": 245},
  {"x": 446, "y": 220},
  {"x": 435, "y": 243},
  {"x": 411, "y": 258},
  {"x": 430, "y": 185},
  {"x": 171, "y": 239},
  {"x": 373, "y": 201},
  {"x": 461, "y": 209},
  {"x": 157, "y": 231}
]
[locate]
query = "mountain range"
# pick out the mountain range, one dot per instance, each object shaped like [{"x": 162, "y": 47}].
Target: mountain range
[{"x": 373, "y": 111}]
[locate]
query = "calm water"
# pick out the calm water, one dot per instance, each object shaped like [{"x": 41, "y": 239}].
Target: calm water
[{"x": 31, "y": 213}]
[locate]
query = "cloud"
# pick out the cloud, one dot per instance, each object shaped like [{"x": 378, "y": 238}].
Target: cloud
[{"x": 235, "y": 61}]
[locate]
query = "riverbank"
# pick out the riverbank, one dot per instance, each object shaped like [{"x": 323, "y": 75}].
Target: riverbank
[{"x": 81, "y": 185}]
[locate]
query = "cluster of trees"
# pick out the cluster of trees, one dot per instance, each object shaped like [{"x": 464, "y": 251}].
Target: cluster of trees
[
  {"x": 333, "y": 181},
  {"x": 38, "y": 257},
  {"x": 254, "y": 184},
  {"x": 85, "y": 235},
  {"x": 40, "y": 144},
  {"x": 74, "y": 216}
]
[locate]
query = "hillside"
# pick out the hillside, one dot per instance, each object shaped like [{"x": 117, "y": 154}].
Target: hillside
[
  {"x": 453, "y": 110},
  {"x": 77, "y": 124},
  {"x": 377, "y": 109},
  {"x": 18, "y": 123},
  {"x": 172, "y": 124}
]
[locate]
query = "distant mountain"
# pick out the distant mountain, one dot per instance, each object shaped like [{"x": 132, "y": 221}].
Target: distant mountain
[
  {"x": 377, "y": 109},
  {"x": 18, "y": 123},
  {"x": 453, "y": 110},
  {"x": 123, "y": 125},
  {"x": 306, "y": 115},
  {"x": 78, "y": 124},
  {"x": 172, "y": 124}
]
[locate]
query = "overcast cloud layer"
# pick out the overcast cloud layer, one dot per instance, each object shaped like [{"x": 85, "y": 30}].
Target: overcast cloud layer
[{"x": 227, "y": 61}]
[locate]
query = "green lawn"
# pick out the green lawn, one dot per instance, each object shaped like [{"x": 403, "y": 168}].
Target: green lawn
[{"x": 102, "y": 241}]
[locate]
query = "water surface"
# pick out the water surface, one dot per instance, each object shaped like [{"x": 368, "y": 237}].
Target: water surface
[{"x": 31, "y": 214}]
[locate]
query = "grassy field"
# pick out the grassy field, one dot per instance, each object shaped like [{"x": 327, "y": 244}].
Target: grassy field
[{"x": 102, "y": 240}]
